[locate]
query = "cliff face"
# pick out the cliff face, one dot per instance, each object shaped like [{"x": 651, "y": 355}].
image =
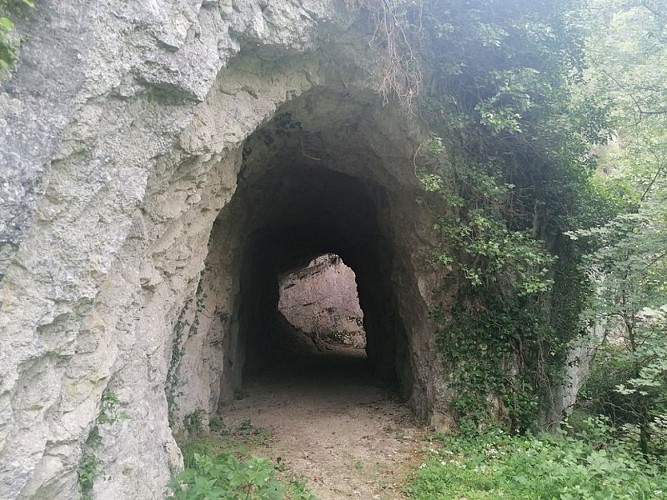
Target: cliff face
[{"x": 161, "y": 163}]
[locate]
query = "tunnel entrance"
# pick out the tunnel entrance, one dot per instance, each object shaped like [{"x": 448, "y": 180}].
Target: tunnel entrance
[
  {"x": 329, "y": 177},
  {"x": 308, "y": 212},
  {"x": 308, "y": 188}
]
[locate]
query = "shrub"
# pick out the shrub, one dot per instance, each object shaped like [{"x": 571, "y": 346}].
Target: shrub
[
  {"x": 591, "y": 466},
  {"x": 225, "y": 477}
]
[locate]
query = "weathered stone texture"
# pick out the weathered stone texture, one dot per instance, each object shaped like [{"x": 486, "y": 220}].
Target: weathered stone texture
[
  {"x": 321, "y": 299},
  {"x": 121, "y": 141}
]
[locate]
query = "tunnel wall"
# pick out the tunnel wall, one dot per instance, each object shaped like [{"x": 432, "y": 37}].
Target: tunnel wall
[{"x": 118, "y": 167}]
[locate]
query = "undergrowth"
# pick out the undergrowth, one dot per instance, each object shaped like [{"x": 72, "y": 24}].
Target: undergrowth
[
  {"x": 591, "y": 465},
  {"x": 222, "y": 465}
]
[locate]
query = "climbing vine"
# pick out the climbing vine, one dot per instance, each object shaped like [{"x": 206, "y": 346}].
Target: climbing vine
[
  {"x": 90, "y": 466},
  {"x": 505, "y": 174},
  {"x": 171, "y": 386}
]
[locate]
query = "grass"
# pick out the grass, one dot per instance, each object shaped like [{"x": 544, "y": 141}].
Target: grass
[
  {"x": 497, "y": 466},
  {"x": 226, "y": 464}
]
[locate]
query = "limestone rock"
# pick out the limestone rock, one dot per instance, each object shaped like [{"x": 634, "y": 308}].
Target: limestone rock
[
  {"x": 128, "y": 131},
  {"x": 321, "y": 299}
]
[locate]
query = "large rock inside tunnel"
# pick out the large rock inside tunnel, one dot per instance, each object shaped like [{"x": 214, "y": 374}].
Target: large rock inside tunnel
[{"x": 150, "y": 201}]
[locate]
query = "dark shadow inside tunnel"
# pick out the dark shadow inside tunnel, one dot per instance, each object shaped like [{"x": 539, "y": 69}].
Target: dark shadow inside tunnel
[
  {"x": 290, "y": 215},
  {"x": 315, "y": 211}
]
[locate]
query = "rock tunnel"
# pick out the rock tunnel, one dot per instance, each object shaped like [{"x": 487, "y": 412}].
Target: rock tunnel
[
  {"x": 306, "y": 212},
  {"x": 330, "y": 172},
  {"x": 303, "y": 211}
]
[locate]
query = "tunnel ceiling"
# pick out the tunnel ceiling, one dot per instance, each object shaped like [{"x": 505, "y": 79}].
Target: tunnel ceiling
[{"x": 313, "y": 177}]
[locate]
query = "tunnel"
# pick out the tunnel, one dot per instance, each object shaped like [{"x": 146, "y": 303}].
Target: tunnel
[
  {"x": 306, "y": 189},
  {"x": 330, "y": 172},
  {"x": 298, "y": 209}
]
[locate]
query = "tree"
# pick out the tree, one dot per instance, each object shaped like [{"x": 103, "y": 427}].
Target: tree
[{"x": 627, "y": 53}]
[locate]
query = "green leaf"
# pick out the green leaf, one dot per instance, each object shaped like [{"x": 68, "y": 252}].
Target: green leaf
[{"x": 6, "y": 25}]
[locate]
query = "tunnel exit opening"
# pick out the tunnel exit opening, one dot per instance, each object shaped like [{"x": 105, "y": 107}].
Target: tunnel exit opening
[{"x": 321, "y": 304}]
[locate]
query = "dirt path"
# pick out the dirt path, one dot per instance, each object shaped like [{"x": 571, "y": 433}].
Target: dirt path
[{"x": 334, "y": 425}]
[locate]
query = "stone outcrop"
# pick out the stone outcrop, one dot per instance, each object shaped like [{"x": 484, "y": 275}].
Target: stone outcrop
[
  {"x": 321, "y": 300},
  {"x": 160, "y": 164}
]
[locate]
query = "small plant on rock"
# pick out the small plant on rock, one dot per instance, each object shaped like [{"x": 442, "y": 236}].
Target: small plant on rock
[
  {"x": 109, "y": 412},
  {"x": 216, "y": 424},
  {"x": 194, "y": 422},
  {"x": 89, "y": 468}
]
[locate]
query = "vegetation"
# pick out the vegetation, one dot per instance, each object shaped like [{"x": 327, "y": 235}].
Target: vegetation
[
  {"x": 628, "y": 257},
  {"x": 222, "y": 465},
  {"x": 506, "y": 175},
  {"x": 493, "y": 466},
  {"x": 546, "y": 177},
  {"x": 545, "y": 174},
  {"x": 90, "y": 466},
  {"x": 8, "y": 45}
]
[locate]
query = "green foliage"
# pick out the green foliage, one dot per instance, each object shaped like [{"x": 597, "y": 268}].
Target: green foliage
[
  {"x": 223, "y": 466},
  {"x": 9, "y": 47},
  {"x": 592, "y": 466},
  {"x": 216, "y": 424},
  {"x": 224, "y": 477},
  {"x": 627, "y": 258},
  {"x": 109, "y": 411},
  {"x": 504, "y": 173},
  {"x": 89, "y": 469},
  {"x": 193, "y": 422},
  {"x": 94, "y": 440},
  {"x": 630, "y": 266},
  {"x": 89, "y": 464}
]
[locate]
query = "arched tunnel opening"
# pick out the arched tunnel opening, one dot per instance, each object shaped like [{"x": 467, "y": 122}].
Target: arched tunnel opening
[
  {"x": 329, "y": 173},
  {"x": 309, "y": 185}
]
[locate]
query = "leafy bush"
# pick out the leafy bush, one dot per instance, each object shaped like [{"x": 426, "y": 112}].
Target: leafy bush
[
  {"x": 222, "y": 466},
  {"x": 225, "y": 477},
  {"x": 500, "y": 466}
]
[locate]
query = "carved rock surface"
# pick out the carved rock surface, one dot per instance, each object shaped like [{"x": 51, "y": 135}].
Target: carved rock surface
[{"x": 139, "y": 144}]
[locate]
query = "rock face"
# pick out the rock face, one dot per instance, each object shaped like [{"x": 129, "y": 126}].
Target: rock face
[
  {"x": 321, "y": 299},
  {"x": 161, "y": 163}
]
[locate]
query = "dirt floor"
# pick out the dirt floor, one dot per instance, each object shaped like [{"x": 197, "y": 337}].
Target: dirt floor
[{"x": 334, "y": 425}]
